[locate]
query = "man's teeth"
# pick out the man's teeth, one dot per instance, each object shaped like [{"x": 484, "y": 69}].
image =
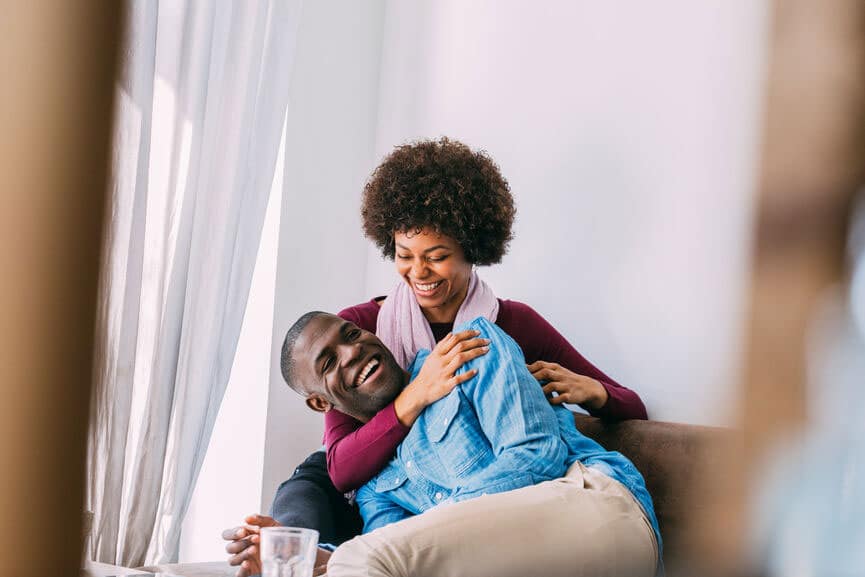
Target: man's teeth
[
  {"x": 428, "y": 286},
  {"x": 370, "y": 367}
]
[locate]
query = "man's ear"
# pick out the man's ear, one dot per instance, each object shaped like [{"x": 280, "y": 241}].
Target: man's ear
[{"x": 318, "y": 403}]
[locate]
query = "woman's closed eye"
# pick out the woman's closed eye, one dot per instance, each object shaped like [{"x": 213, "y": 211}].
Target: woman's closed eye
[{"x": 438, "y": 258}]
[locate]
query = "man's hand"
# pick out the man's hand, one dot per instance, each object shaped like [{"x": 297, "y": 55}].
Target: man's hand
[
  {"x": 436, "y": 378},
  {"x": 244, "y": 545},
  {"x": 571, "y": 387},
  {"x": 322, "y": 556}
]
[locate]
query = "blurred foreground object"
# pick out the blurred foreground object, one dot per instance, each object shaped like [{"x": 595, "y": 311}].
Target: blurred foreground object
[
  {"x": 57, "y": 64},
  {"x": 812, "y": 163},
  {"x": 810, "y": 506}
]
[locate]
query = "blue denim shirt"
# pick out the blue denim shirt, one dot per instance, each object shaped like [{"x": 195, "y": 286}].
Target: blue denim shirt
[{"x": 494, "y": 433}]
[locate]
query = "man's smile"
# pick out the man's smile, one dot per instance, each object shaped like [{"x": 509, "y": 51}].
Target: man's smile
[{"x": 367, "y": 372}]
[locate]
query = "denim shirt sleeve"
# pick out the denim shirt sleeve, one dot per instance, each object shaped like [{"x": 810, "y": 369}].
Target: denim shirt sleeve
[
  {"x": 376, "y": 509},
  {"x": 515, "y": 417}
]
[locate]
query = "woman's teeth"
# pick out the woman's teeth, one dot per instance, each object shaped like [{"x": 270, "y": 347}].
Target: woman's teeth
[
  {"x": 428, "y": 286},
  {"x": 369, "y": 368}
]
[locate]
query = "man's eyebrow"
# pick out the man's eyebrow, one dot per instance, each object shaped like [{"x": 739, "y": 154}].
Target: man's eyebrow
[{"x": 430, "y": 249}]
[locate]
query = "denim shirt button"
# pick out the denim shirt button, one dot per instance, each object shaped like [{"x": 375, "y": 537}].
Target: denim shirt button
[
  {"x": 408, "y": 464},
  {"x": 439, "y": 496}
]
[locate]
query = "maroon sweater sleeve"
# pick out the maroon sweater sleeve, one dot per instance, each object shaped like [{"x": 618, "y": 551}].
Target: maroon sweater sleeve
[
  {"x": 356, "y": 452},
  {"x": 540, "y": 341}
]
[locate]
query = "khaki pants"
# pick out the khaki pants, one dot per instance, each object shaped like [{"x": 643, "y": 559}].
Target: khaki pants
[{"x": 582, "y": 524}]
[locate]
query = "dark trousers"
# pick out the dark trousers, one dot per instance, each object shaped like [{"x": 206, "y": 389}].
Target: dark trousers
[{"x": 309, "y": 499}]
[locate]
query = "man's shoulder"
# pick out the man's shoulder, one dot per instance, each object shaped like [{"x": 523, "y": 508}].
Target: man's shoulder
[
  {"x": 484, "y": 326},
  {"x": 500, "y": 341}
]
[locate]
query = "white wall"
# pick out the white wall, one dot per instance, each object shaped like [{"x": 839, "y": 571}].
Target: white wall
[
  {"x": 628, "y": 132},
  {"x": 329, "y": 152}
]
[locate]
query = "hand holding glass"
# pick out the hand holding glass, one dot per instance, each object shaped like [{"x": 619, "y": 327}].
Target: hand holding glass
[{"x": 288, "y": 551}]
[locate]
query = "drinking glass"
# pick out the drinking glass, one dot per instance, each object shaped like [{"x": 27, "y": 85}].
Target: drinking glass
[{"x": 288, "y": 551}]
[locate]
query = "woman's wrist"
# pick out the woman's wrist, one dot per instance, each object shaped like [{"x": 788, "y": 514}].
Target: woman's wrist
[
  {"x": 408, "y": 405},
  {"x": 599, "y": 399}
]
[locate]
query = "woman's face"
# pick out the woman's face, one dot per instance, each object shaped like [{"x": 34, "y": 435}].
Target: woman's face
[{"x": 436, "y": 270}]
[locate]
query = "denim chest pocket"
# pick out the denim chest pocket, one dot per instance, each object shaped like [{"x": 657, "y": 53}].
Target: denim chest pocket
[
  {"x": 390, "y": 480},
  {"x": 456, "y": 434},
  {"x": 441, "y": 415}
]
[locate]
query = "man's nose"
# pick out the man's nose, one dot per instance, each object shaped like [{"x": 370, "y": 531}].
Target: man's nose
[{"x": 348, "y": 353}]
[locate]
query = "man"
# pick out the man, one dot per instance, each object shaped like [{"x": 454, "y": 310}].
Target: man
[{"x": 439, "y": 508}]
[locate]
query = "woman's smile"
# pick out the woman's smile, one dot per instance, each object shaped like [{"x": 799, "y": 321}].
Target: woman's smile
[{"x": 426, "y": 289}]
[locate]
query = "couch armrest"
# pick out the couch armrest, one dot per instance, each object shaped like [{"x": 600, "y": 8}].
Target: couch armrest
[{"x": 671, "y": 457}]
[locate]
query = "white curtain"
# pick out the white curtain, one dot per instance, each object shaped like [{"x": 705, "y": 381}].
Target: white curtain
[{"x": 199, "y": 114}]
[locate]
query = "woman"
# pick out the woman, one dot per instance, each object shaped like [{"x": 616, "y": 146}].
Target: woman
[{"x": 437, "y": 209}]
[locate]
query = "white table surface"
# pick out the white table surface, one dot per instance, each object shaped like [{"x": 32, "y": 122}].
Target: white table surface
[
  {"x": 212, "y": 569},
  {"x": 94, "y": 569}
]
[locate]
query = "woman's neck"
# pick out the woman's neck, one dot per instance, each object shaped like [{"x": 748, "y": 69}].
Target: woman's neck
[
  {"x": 447, "y": 312},
  {"x": 437, "y": 315}
]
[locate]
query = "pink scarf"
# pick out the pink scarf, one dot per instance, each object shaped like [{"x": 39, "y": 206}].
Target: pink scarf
[{"x": 403, "y": 328}]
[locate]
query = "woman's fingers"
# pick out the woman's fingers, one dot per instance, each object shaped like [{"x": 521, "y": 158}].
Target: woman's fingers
[
  {"x": 460, "y": 379},
  {"x": 545, "y": 374},
  {"x": 460, "y": 359},
  {"x": 454, "y": 340},
  {"x": 539, "y": 365},
  {"x": 565, "y": 393},
  {"x": 553, "y": 387},
  {"x": 462, "y": 352}
]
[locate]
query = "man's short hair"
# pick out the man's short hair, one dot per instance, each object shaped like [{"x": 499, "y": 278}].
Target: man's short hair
[{"x": 286, "y": 361}]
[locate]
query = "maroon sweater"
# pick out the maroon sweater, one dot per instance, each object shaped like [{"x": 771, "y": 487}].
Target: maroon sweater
[{"x": 356, "y": 452}]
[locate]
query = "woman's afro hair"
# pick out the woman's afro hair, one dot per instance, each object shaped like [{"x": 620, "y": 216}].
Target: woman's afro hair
[{"x": 445, "y": 186}]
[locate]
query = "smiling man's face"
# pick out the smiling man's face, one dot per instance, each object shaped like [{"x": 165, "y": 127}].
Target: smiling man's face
[{"x": 344, "y": 367}]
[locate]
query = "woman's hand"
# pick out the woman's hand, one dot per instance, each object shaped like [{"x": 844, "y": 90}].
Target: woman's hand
[
  {"x": 571, "y": 387},
  {"x": 437, "y": 377}
]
